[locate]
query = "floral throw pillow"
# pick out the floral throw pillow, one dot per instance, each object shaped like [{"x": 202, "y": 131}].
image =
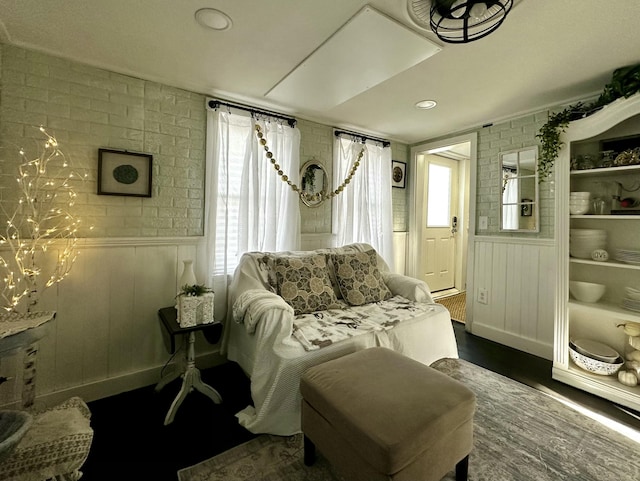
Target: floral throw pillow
[
  {"x": 304, "y": 283},
  {"x": 359, "y": 279}
]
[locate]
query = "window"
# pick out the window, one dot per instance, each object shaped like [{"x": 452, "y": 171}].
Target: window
[
  {"x": 248, "y": 206},
  {"x": 362, "y": 212}
]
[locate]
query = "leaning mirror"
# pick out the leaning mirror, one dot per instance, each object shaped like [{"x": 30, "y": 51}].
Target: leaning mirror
[
  {"x": 314, "y": 183},
  {"x": 519, "y": 200}
]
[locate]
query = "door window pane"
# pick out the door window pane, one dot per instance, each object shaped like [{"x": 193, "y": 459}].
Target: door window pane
[{"x": 439, "y": 196}]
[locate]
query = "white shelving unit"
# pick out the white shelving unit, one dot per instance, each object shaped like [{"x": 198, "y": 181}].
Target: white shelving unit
[{"x": 574, "y": 319}]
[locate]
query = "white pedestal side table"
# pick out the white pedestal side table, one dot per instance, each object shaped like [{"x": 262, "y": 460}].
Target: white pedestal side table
[{"x": 190, "y": 374}]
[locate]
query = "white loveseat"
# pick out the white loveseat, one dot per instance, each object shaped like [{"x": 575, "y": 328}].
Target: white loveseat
[{"x": 275, "y": 343}]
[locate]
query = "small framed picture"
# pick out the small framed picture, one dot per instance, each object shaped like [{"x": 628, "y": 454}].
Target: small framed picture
[
  {"x": 526, "y": 208},
  {"x": 124, "y": 173},
  {"x": 398, "y": 174}
]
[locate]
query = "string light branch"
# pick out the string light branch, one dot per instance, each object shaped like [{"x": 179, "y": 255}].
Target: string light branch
[{"x": 43, "y": 215}]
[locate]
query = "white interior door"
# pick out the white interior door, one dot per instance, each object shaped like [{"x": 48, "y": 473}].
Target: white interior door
[{"x": 440, "y": 222}]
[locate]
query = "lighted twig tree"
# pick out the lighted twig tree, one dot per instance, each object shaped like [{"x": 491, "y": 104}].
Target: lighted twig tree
[{"x": 42, "y": 218}]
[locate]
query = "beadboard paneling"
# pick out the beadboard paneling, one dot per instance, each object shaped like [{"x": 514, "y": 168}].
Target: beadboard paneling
[
  {"x": 519, "y": 276},
  {"x": 106, "y": 336}
]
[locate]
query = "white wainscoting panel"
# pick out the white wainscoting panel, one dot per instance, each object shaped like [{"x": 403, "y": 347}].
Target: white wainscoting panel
[
  {"x": 519, "y": 277},
  {"x": 400, "y": 252},
  {"x": 106, "y": 337}
]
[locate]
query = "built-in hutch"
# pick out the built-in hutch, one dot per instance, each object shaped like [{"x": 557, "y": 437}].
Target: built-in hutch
[{"x": 583, "y": 166}]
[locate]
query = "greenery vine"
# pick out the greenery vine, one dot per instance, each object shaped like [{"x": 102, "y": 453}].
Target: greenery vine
[
  {"x": 195, "y": 290},
  {"x": 625, "y": 82}
]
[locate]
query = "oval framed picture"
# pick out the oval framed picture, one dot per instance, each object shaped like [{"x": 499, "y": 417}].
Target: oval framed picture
[{"x": 398, "y": 174}]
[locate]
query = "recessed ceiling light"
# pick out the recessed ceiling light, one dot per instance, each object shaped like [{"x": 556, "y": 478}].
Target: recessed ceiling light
[
  {"x": 214, "y": 19},
  {"x": 426, "y": 104}
]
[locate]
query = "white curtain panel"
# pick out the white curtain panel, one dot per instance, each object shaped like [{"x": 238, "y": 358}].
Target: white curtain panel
[
  {"x": 269, "y": 209},
  {"x": 363, "y": 211},
  {"x": 247, "y": 205},
  {"x": 511, "y": 212}
]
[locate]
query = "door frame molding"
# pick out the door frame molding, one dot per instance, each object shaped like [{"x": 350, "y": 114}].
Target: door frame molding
[
  {"x": 467, "y": 186},
  {"x": 431, "y": 270}
]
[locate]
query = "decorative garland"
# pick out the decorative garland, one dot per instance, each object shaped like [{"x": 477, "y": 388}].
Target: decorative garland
[{"x": 320, "y": 196}]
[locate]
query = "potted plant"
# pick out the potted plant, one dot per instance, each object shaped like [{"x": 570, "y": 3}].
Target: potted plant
[
  {"x": 625, "y": 82},
  {"x": 195, "y": 305}
]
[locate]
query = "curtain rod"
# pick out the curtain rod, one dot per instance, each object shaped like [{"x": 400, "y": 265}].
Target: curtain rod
[
  {"x": 361, "y": 137},
  {"x": 215, "y": 103}
]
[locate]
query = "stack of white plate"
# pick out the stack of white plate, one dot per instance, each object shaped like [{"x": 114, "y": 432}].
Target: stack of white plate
[
  {"x": 631, "y": 304},
  {"x": 628, "y": 256},
  {"x": 582, "y": 242},
  {"x": 579, "y": 203},
  {"x": 633, "y": 293},
  {"x": 632, "y": 299}
]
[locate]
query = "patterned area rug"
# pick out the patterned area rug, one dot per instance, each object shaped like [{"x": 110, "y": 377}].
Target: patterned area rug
[
  {"x": 457, "y": 305},
  {"x": 520, "y": 434}
]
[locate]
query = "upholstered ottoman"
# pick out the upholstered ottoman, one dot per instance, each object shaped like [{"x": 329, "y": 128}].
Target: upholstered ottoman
[{"x": 378, "y": 415}]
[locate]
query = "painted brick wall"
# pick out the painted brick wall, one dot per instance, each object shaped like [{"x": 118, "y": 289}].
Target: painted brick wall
[
  {"x": 317, "y": 144},
  {"x": 514, "y": 134},
  {"x": 88, "y": 108},
  {"x": 401, "y": 152}
]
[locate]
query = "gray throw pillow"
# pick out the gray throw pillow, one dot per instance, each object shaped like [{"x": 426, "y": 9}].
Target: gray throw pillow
[
  {"x": 304, "y": 283},
  {"x": 359, "y": 278}
]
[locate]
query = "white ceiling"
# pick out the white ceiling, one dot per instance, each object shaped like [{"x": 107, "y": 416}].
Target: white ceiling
[{"x": 546, "y": 52}]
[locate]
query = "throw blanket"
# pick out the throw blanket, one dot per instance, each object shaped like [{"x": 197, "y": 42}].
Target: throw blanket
[
  {"x": 252, "y": 304},
  {"x": 323, "y": 328}
]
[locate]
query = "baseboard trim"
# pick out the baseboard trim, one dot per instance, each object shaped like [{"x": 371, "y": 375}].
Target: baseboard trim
[
  {"x": 110, "y": 387},
  {"x": 531, "y": 346}
]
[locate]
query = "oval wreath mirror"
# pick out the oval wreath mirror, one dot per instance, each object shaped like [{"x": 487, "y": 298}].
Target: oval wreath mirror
[{"x": 314, "y": 183}]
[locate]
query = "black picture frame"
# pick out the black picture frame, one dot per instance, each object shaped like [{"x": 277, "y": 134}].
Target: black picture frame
[
  {"x": 398, "y": 174},
  {"x": 124, "y": 173}
]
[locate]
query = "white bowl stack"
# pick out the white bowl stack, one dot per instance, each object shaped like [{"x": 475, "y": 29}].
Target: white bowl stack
[
  {"x": 582, "y": 242},
  {"x": 579, "y": 203},
  {"x": 586, "y": 291}
]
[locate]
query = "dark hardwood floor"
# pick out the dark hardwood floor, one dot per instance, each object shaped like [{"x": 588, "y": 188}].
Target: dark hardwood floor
[{"x": 132, "y": 443}]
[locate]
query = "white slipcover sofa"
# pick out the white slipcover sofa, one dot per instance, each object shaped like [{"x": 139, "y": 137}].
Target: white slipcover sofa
[{"x": 275, "y": 340}]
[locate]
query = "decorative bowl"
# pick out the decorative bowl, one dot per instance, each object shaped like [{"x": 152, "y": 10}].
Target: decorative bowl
[
  {"x": 578, "y": 210},
  {"x": 586, "y": 291},
  {"x": 596, "y": 350},
  {"x": 593, "y": 365}
]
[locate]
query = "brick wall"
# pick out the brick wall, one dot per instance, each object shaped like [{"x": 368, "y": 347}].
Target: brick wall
[
  {"x": 514, "y": 134},
  {"x": 317, "y": 144},
  {"x": 399, "y": 196},
  {"x": 88, "y": 108}
]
